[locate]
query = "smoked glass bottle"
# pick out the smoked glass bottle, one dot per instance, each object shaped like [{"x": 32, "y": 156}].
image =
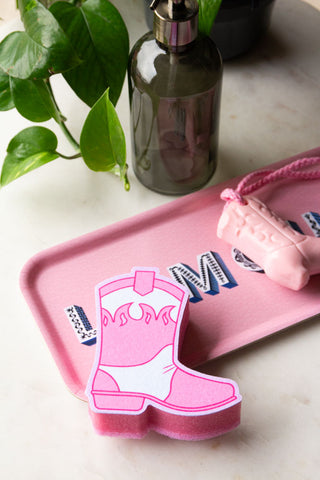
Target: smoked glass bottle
[{"x": 175, "y": 88}]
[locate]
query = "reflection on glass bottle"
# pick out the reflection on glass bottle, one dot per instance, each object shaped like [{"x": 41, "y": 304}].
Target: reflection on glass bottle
[{"x": 175, "y": 102}]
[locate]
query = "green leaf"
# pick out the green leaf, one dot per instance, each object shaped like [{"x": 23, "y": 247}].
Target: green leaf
[
  {"x": 100, "y": 38},
  {"x": 31, "y": 148},
  {"x": 48, "y": 3},
  {"x": 6, "y": 100},
  {"x": 33, "y": 100},
  {"x": 208, "y": 10},
  {"x": 102, "y": 141},
  {"x": 41, "y": 50}
]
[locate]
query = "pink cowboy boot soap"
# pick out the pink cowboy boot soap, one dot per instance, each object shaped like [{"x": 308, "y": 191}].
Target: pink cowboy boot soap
[
  {"x": 287, "y": 256},
  {"x": 137, "y": 383}
]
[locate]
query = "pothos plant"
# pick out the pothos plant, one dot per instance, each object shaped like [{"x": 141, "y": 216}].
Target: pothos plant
[{"x": 87, "y": 42}]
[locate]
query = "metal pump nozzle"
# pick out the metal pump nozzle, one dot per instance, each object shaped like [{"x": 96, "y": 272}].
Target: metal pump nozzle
[
  {"x": 154, "y": 4},
  {"x": 175, "y": 21}
]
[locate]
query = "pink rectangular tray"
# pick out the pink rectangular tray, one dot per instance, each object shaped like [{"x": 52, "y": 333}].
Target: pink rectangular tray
[{"x": 249, "y": 308}]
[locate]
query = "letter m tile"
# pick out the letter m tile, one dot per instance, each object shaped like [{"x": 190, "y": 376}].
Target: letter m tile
[
  {"x": 313, "y": 220},
  {"x": 213, "y": 273}
]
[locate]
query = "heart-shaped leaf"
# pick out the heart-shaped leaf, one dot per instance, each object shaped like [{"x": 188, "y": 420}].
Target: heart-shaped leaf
[
  {"x": 102, "y": 141},
  {"x": 41, "y": 50},
  {"x": 208, "y": 10},
  {"x": 33, "y": 100},
  {"x": 100, "y": 38},
  {"x": 6, "y": 100},
  {"x": 31, "y": 148}
]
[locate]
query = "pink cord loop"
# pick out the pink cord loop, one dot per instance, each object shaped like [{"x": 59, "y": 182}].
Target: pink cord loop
[
  {"x": 291, "y": 171},
  {"x": 230, "y": 195}
]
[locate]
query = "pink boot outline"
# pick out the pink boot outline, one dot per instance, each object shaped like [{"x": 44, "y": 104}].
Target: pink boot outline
[{"x": 132, "y": 390}]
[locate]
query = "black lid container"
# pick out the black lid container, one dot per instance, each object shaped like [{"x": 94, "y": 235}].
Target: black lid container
[{"x": 238, "y": 25}]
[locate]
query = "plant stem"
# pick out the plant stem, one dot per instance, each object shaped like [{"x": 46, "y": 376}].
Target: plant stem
[
  {"x": 68, "y": 135},
  {"x": 72, "y": 157},
  {"x": 125, "y": 180},
  {"x": 59, "y": 118}
]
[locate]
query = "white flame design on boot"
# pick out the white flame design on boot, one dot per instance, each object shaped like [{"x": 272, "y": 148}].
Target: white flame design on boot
[
  {"x": 142, "y": 321},
  {"x": 287, "y": 256}
]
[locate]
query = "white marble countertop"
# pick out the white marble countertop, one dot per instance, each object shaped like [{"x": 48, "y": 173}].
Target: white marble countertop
[{"x": 270, "y": 110}]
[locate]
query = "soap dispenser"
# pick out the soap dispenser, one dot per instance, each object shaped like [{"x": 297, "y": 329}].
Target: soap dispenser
[{"x": 175, "y": 80}]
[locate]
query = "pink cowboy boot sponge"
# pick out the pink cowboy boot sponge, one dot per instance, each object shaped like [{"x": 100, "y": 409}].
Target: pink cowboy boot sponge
[{"x": 137, "y": 383}]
